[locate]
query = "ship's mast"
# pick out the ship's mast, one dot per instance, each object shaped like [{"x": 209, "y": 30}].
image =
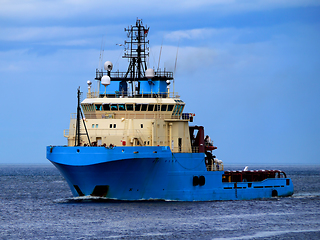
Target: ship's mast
[
  {"x": 136, "y": 50},
  {"x": 137, "y": 81}
]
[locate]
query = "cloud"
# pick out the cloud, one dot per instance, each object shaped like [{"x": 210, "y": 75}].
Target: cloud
[
  {"x": 66, "y": 9},
  {"x": 209, "y": 35},
  {"x": 46, "y": 33}
]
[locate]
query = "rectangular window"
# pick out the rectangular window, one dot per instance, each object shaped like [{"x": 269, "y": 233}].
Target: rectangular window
[
  {"x": 114, "y": 125},
  {"x": 181, "y": 108},
  {"x": 114, "y": 107},
  {"x": 129, "y": 107},
  {"x": 150, "y": 107},
  {"x": 170, "y": 107},
  {"x": 106, "y": 107},
  {"x": 97, "y": 125},
  {"x": 98, "y": 107},
  {"x": 141, "y": 125},
  {"x": 144, "y": 107},
  {"x": 122, "y": 107},
  {"x": 92, "y": 125},
  {"x": 175, "y": 110},
  {"x": 137, "y": 107},
  {"x": 164, "y": 107},
  {"x": 110, "y": 125}
]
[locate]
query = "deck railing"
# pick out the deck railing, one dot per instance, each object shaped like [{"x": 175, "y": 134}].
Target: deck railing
[
  {"x": 114, "y": 94},
  {"x": 133, "y": 115},
  {"x": 215, "y": 167}
]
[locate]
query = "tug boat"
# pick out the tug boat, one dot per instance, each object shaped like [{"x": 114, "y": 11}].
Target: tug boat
[{"x": 131, "y": 140}]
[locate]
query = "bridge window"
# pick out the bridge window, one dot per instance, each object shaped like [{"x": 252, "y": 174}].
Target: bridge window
[
  {"x": 122, "y": 107},
  {"x": 170, "y": 107},
  {"x": 175, "y": 110},
  {"x": 98, "y": 107},
  {"x": 180, "y": 109},
  {"x": 106, "y": 107},
  {"x": 114, "y": 107},
  {"x": 137, "y": 107},
  {"x": 150, "y": 107},
  {"x": 129, "y": 107},
  {"x": 144, "y": 107},
  {"x": 163, "y": 107}
]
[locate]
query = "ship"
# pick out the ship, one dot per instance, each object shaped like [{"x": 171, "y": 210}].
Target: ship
[{"x": 131, "y": 140}]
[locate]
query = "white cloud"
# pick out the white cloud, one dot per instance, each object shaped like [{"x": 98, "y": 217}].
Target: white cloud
[
  {"x": 46, "y": 33},
  {"x": 61, "y": 9},
  {"x": 206, "y": 34}
]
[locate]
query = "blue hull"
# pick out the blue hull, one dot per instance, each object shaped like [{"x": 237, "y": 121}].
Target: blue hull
[{"x": 145, "y": 173}]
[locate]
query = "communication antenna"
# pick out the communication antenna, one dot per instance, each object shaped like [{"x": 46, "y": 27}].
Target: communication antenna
[
  {"x": 160, "y": 55},
  {"x": 101, "y": 59},
  {"x": 101, "y": 53},
  {"x": 175, "y": 64},
  {"x": 105, "y": 80}
]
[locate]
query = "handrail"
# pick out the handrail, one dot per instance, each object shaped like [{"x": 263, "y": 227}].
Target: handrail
[
  {"x": 116, "y": 94},
  {"x": 215, "y": 167},
  {"x": 66, "y": 133},
  {"x": 124, "y": 75},
  {"x": 132, "y": 115}
]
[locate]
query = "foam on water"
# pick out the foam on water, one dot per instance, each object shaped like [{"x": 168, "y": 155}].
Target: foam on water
[{"x": 268, "y": 234}]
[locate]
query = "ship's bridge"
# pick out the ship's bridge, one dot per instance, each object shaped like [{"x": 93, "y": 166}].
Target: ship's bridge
[{"x": 135, "y": 108}]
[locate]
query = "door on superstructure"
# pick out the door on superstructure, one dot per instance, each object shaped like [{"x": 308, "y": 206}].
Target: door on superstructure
[
  {"x": 99, "y": 141},
  {"x": 180, "y": 144}
]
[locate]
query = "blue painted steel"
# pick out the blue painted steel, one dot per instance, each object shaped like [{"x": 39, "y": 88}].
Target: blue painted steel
[
  {"x": 148, "y": 87},
  {"x": 144, "y": 173},
  {"x": 115, "y": 87}
]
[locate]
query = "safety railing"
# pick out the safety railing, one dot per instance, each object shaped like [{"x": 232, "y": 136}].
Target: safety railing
[
  {"x": 133, "y": 115},
  {"x": 66, "y": 133},
  {"x": 113, "y": 94},
  {"x": 215, "y": 167},
  {"x": 123, "y": 75}
]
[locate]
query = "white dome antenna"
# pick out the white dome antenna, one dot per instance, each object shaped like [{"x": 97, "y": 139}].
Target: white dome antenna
[
  {"x": 108, "y": 66},
  {"x": 149, "y": 73},
  {"x": 105, "y": 80},
  {"x": 89, "y": 83}
]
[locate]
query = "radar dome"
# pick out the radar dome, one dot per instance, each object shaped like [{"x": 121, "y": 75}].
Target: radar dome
[
  {"x": 105, "y": 80},
  {"x": 108, "y": 66},
  {"x": 89, "y": 82},
  {"x": 149, "y": 73}
]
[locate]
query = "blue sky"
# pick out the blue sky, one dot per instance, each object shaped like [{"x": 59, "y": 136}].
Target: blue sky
[{"x": 248, "y": 69}]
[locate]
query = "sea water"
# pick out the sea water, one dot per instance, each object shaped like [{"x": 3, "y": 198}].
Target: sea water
[{"x": 36, "y": 203}]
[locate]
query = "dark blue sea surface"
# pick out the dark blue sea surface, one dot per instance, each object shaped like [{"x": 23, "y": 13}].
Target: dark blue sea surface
[{"x": 36, "y": 203}]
